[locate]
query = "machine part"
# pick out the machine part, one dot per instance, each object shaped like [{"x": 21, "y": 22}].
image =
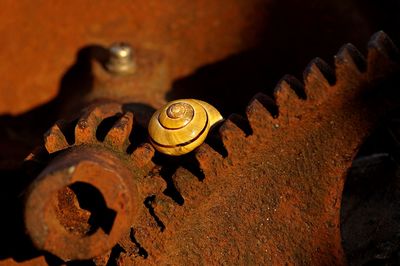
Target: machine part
[
  {"x": 271, "y": 193},
  {"x": 181, "y": 31},
  {"x": 87, "y": 198},
  {"x": 182, "y": 125},
  {"x": 90, "y": 81},
  {"x": 69, "y": 194},
  {"x": 121, "y": 60}
]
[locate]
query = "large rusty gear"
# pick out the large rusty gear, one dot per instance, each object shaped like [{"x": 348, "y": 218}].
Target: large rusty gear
[{"x": 187, "y": 210}]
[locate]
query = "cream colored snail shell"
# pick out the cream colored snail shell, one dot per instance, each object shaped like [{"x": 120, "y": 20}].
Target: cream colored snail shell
[{"x": 182, "y": 125}]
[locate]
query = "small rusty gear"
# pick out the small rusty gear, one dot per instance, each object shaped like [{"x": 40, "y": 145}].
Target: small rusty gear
[
  {"x": 265, "y": 190},
  {"x": 91, "y": 162}
]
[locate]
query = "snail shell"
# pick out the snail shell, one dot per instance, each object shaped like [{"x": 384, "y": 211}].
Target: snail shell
[{"x": 182, "y": 125}]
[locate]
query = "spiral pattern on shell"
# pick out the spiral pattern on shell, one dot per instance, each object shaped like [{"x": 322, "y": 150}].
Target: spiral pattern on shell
[{"x": 182, "y": 125}]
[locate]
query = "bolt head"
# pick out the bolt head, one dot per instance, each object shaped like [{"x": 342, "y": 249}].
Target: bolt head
[
  {"x": 121, "y": 60},
  {"x": 121, "y": 50}
]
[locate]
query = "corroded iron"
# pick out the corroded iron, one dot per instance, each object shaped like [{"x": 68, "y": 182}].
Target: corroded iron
[
  {"x": 265, "y": 190},
  {"x": 167, "y": 27},
  {"x": 87, "y": 198}
]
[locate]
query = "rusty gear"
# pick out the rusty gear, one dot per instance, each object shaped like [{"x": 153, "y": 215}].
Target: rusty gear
[
  {"x": 94, "y": 165},
  {"x": 286, "y": 162}
]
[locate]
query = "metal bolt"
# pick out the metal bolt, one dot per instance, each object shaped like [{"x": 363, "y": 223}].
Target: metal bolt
[{"x": 121, "y": 60}]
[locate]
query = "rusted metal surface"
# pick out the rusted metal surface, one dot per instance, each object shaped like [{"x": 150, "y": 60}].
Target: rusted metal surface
[
  {"x": 42, "y": 38},
  {"x": 289, "y": 190},
  {"x": 147, "y": 85},
  {"x": 266, "y": 189},
  {"x": 41, "y": 51},
  {"x": 55, "y": 209},
  {"x": 87, "y": 198},
  {"x": 223, "y": 218},
  {"x": 210, "y": 50}
]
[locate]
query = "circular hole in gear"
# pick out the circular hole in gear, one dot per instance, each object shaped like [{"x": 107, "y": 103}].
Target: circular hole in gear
[{"x": 81, "y": 210}]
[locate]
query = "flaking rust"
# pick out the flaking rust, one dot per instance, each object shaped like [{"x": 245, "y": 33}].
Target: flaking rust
[{"x": 271, "y": 195}]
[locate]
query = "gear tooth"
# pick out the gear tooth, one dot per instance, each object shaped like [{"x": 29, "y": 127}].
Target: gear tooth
[
  {"x": 349, "y": 59},
  {"x": 54, "y": 139},
  {"x": 209, "y": 160},
  {"x": 164, "y": 208},
  {"x": 118, "y": 136},
  {"x": 241, "y": 122},
  {"x": 153, "y": 184},
  {"x": 260, "y": 113},
  {"x": 290, "y": 85},
  {"x": 289, "y": 95},
  {"x": 232, "y": 135},
  {"x": 382, "y": 53},
  {"x": 143, "y": 154},
  {"x": 381, "y": 43},
  {"x": 318, "y": 78},
  {"x": 187, "y": 184},
  {"x": 85, "y": 130}
]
